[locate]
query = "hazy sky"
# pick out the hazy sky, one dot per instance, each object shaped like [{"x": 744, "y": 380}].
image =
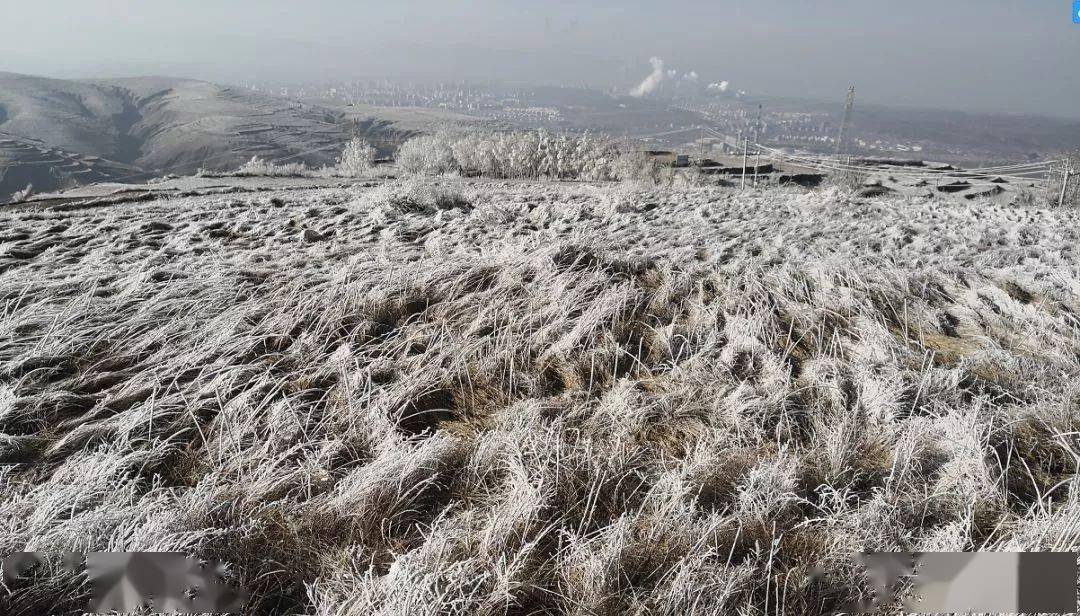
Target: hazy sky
[{"x": 1017, "y": 56}]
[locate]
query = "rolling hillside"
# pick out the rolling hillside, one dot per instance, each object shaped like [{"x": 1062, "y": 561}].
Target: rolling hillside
[{"x": 156, "y": 125}]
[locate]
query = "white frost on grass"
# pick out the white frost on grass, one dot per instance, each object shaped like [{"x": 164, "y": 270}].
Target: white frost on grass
[{"x": 482, "y": 397}]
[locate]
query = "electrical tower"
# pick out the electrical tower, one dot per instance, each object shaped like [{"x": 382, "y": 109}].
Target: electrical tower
[
  {"x": 757, "y": 125},
  {"x": 845, "y": 125}
]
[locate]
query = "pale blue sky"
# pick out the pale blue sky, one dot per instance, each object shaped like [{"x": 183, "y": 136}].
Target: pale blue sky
[{"x": 1016, "y": 56}]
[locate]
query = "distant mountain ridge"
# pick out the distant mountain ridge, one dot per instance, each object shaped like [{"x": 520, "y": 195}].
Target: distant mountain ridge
[{"x": 150, "y": 126}]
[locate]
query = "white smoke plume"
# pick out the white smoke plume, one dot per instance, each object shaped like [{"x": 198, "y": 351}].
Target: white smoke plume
[
  {"x": 718, "y": 87},
  {"x": 658, "y": 76},
  {"x": 653, "y": 81}
]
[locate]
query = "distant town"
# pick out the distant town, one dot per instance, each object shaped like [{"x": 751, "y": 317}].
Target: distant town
[{"x": 710, "y": 122}]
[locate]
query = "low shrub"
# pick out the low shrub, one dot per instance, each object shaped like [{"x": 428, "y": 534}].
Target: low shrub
[
  {"x": 23, "y": 194},
  {"x": 257, "y": 167},
  {"x": 415, "y": 195},
  {"x": 846, "y": 180}
]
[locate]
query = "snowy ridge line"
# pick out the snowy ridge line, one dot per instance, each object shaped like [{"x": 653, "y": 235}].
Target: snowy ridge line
[
  {"x": 942, "y": 175},
  {"x": 930, "y": 175},
  {"x": 1035, "y": 182},
  {"x": 1017, "y": 170},
  {"x": 821, "y": 166},
  {"x": 823, "y": 159},
  {"x": 1032, "y": 167},
  {"x": 1004, "y": 171}
]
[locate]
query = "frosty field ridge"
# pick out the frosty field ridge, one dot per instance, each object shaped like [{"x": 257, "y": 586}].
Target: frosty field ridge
[{"x": 477, "y": 397}]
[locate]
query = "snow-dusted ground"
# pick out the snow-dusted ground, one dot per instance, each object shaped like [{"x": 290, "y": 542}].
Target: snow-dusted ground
[
  {"x": 447, "y": 396},
  {"x": 708, "y": 225}
]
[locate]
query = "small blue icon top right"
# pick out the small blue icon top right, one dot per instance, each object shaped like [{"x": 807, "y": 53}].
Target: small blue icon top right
[{"x": 1076, "y": 11}]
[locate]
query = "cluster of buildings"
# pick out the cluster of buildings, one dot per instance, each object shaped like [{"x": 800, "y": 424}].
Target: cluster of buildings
[
  {"x": 506, "y": 105},
  {"x": 526, "y": 115},
  {"x": 810, "y": 131},
  {"x": 457, "y": 96}
]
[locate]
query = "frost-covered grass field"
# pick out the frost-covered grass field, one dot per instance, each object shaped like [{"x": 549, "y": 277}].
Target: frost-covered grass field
[{"x": 443, "y": 397}]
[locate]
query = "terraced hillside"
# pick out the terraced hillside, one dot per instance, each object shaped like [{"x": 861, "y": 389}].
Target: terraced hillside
[{"x": 25, "y": 162}]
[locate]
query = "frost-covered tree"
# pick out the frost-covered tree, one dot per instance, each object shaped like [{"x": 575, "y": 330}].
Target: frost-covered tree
[
  {"x": 427, "y": 155},
  {"x": 356, "y": 159}
]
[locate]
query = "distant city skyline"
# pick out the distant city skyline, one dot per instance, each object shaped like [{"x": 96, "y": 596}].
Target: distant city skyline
[{"x": 981, "y": 56}]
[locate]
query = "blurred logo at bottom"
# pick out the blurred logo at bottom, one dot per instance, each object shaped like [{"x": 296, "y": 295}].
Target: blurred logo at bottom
[
  {"x": 165, "y": 582},
  {"x": 967, "y": 582}
]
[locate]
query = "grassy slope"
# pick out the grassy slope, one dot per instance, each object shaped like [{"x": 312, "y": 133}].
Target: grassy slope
[{"x": 564, "y": 398}]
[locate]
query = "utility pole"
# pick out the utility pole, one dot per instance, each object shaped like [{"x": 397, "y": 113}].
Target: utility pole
[
  {"x": 1065, "y": 182},
  {"x": 757, "y": 140},
  {"x": 845, "y": 125},
  {"x": 745, "y": 145}
]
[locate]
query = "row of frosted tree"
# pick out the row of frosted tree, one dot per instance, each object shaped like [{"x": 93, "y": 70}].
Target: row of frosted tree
[{"x": 518, "y": 155}]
